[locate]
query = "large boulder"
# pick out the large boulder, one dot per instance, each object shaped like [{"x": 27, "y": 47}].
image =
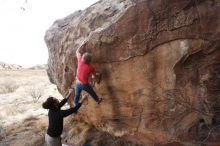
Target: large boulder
[{"x": 160, "y": 61}]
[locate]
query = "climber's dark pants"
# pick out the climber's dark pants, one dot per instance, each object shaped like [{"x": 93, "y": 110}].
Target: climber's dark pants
[{"x": 86, "y": 87}]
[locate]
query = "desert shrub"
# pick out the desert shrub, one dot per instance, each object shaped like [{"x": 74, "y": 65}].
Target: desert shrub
[
  {"x": 36, "y": 92},
  {"x": 8, "y": 87}
]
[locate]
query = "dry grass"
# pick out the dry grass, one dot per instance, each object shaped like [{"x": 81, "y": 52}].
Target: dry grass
[
  {"x": 8, "y": 87},
  {"x": 21, "y": 95}
]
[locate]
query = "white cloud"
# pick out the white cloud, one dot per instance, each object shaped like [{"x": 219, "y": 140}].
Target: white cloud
[{"x": 22, "y": 31}]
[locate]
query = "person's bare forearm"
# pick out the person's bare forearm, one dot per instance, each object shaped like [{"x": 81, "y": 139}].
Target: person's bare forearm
[
  {"x": 78, "y": 52},
  {"x": 69, "y": 93}
]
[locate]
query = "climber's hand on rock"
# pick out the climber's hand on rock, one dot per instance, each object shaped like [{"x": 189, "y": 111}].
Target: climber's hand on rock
[
  {"x": 70, "y": 90},
  {"x": 98, "y": 77},
  {"x": 93, "y": 76}
]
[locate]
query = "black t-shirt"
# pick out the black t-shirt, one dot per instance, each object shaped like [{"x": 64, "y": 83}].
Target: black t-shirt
[{"x": 55, "y": 127}]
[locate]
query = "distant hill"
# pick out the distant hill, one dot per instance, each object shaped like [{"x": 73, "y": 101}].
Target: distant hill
[
  {"x": 40, "y": 66},
  {"x": 6, "y": 66}
]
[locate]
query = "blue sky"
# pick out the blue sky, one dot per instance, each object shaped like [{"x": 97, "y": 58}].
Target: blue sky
[{"x": 22, "y": 31}]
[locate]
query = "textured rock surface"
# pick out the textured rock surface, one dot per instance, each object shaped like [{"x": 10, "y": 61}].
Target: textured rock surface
[{"x": 160, "y": 61}]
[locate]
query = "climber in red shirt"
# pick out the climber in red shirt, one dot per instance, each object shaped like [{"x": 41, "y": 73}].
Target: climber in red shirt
[{"x": 84, "y": 70}]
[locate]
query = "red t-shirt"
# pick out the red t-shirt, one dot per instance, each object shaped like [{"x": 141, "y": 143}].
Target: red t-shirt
[{"x": 83, "y": 70}]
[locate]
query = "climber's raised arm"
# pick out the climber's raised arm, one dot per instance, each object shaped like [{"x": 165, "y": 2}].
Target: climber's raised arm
[{"x": 78, "y": 54}]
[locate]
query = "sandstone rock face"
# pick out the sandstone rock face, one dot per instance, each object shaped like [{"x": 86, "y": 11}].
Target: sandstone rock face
[{"x": 160, "y": 61}]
